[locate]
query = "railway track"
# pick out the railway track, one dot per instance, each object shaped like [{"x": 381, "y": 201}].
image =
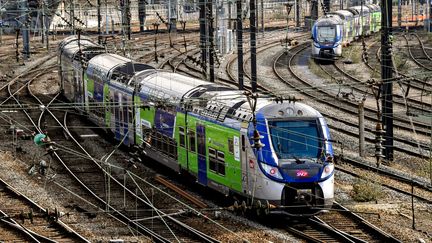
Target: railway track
[
  {"x": 409, "y": 81},
  {"x": 420, "y": 57},
  {"x": 162, "y": 228},
  {"x": 360, "y": 92},
  {"x": 339, "y": 224},
  {"x": 309, "y": 90},
  {"x": 424, "y": 49},
  {"x": 363, "y": 88},
  {"x": 31, "y": 221},
  {"x": 392, "y": 181},
  {"x": 158, "y": 232},
  {"x": 405, "y": 181}
]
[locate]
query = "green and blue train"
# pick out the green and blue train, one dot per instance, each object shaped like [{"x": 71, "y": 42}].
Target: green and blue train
[{"x": 205, "y": 130}]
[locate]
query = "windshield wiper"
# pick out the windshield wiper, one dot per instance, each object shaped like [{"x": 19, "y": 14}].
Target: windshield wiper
[{"x": 297, "y": 160}]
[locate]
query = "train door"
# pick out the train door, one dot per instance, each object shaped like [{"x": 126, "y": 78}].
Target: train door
[{"x": 202, "y": 160}]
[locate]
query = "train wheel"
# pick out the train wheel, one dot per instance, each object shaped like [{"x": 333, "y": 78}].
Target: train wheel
[
  {"x": 243, "y": 207},
  {"x": 236, "y": 207},
  {"x": 258, "y": 208},
  {"x": 267, "y": 208}
]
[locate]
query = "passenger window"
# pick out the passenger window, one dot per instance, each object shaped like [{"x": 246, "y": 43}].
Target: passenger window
[
  {"x": 221, "y": 162},
  {"x": 192, "y": 144},
  {"x": 217, "y": 161},
  {"x": 212, "y": 160},
  {"x": 231, "y": 145},
  {"x": 182, "y": 137}
]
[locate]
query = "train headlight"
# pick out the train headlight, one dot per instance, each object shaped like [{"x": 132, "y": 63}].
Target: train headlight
[
  {"x": 271, "y": 171},
  {"x": 327, "y": 171}
]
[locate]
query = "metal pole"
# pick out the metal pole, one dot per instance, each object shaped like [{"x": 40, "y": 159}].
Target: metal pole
[
  {"x": 412, "y": 205},
  {"x": 240, "y": 44},
  {"x": 106, "y": 18},
  {"x": 72, "y": 16},
  {"x": 17, "y": 30},
  {"x": 203, "y": 37},
  {"x": 297, "y": 13},
  {"x": 211, "y": 37},
  {"x": 1, "y": 22},
  {"x": 128, "y": 19},
  {"x": 99, "y": 18},
  {"x": 142, "y": 14},
  {"x": 25, "y": 28},
  {"x": 386, "y": 76},
  {"x": 399, "y": 13},
  {"x": 253, "y": 45},
  {"x": 361, "y": 129},
  {"x": 229, "y": 15},
  {"x": 46, "y": 26},
  {"x": 262, "y": 17}
]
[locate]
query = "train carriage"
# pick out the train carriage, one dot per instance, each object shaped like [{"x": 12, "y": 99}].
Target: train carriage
[
  {"x": 71, "y": 69},
  {"x": 375, "y": 17},
  {"x": 364, "y": 20},
  {"x": 348, "y": 26},
  {"x": 205, "y": 131}
]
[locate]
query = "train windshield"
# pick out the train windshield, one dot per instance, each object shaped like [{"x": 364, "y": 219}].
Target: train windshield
[
  {"x": 326, "y": 33},
  {"x": 295, "y": 139}
]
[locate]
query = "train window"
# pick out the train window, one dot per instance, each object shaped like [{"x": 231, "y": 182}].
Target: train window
[
  {"x": 212, "y": 153},
  {"x": 221, "y": 163},
  {"x": 231, "y": 145},
  {"x": 182, "y": 137},
  {"x": 216, "y": 161},
  {"x": 212, "y": 160},
  {"x": 221, "y": 156},
  {"x": 192, "y": 143}
]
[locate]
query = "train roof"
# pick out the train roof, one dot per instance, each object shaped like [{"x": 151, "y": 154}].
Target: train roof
[
  {"x": 344, "y": 14},
  {"x": 328, "y": 20},
  {"x": 374, "y": 7},
  {"x": 69, "y": 46},
  {"x": 167, "y": 85},
  {"x": 114, "y": 67},
  {"x": 359, "y": 9}
]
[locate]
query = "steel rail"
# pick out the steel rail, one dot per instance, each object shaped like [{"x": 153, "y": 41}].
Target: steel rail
[{"x": 414, "y": 58}]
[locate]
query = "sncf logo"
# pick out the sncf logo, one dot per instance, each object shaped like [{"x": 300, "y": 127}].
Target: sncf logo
[{"x": 302, "y": 173}]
